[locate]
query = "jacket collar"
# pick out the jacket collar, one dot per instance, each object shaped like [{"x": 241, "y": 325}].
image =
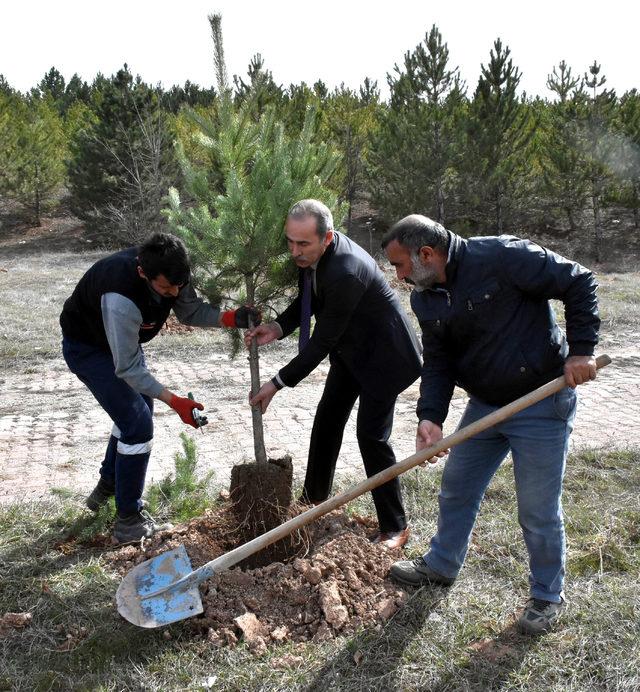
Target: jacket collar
[{"x": 454, "y": 255}]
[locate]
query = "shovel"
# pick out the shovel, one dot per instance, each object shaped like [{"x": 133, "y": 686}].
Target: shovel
[{"x": 165, "y": 589}]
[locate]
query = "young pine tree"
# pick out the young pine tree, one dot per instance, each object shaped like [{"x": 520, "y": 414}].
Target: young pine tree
[
  {"x": 33, "y": 149},
  {"x": 500, "y": 130},
  {"x": 560, "y": 153},
  {"x": 628, "y": 128},
  {"x": 234, "y": 225},
  {"x": 416, "y": 150}
]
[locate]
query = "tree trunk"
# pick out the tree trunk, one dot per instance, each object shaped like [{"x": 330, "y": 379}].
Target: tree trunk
[
  {"x": 597, "y": 232},
  {"x": 37, "y": 197},
  {"x": 254, "y": 368},
  {"x": 439, "y": 202},
  {"x": 636, "y": 196},
  {"x": 572, "y": 223}
]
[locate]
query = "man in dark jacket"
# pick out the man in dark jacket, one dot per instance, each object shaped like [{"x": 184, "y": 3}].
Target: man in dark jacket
[
  {"x": 121, "y": 302},
  {"x": 488, "y": 327},
  {"x": 373, "y": 351}
]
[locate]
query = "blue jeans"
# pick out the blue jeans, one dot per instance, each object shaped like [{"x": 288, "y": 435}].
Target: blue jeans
[
  {"x": 538, "y": 438},
  {"x": 125, "y": 461}
]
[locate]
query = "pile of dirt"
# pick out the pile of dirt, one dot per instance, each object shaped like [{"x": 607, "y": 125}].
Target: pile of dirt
[{"x": 337, "y": 586}]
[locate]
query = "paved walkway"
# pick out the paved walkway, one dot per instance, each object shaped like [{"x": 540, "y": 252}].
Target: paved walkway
[{"x": 52, "y": 434}]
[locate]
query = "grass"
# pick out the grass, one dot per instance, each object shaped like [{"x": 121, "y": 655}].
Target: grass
[
  {"x": 460, "y": 640},
  {"x": 457, "y": 640}
]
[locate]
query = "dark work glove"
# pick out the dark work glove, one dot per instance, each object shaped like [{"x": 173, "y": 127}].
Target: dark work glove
[
  {"x": 240, "y": 317},
  {"x": 184, "y": 407}
]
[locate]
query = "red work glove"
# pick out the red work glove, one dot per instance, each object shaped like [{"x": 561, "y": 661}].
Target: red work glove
[
  {"x": 183, "y": 408},
  {"x": 240, "y": 317}
]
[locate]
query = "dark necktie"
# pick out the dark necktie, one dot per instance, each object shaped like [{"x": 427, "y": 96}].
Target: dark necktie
[{"x": 305, "y": 310}]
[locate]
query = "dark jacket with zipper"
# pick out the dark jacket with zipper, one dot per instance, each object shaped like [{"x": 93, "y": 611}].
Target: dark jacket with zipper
[
  {"x": 490, "y": 328},
  {"x": 359, "y": 320}
]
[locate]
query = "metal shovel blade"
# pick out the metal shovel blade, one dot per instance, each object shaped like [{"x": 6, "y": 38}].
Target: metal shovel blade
[{"x": 135, "y": 603}]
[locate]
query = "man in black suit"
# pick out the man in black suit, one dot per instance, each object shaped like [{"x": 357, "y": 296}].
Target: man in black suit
[{"x": 373, "y": 351}]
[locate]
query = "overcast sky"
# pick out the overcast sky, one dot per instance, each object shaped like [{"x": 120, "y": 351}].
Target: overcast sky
[{"x": 334, "y": 40}]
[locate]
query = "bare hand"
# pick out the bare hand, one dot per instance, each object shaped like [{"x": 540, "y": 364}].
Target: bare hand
[
  {"x": 579, "y": 370},
  {"x": 429, "y": 434},
  {"x": 264, "y": 334},
  {"x": 263, "y": 396}
]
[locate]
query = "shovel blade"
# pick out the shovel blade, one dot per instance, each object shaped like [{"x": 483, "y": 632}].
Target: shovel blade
[{"x": 151, "y": 576}]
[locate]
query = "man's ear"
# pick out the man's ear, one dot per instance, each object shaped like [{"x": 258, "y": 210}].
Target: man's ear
[
  {"x": 141, "y": 274},
  {"x": 426, "y": 254},
  {"x": 328, "y": 238}
]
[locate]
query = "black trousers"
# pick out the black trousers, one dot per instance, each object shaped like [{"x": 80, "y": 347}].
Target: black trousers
[{"x": 373, "y": 429}]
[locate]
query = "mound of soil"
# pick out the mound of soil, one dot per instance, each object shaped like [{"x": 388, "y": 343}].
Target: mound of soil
[{"x": 337, "y": 586}]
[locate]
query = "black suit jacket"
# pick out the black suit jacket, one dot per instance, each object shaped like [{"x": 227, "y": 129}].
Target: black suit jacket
[{"x": 359, "y": 320}]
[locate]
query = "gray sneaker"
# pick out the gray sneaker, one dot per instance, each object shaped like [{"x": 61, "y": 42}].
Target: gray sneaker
[
  {"x": 100, "y": 495},
  {"x": 130, "y": 528},
  {"x": 418, "y": 573},
  {"x": 539, "y": 616}
]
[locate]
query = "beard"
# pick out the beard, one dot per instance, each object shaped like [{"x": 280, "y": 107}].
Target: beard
[{"x": 421, "y": 277}]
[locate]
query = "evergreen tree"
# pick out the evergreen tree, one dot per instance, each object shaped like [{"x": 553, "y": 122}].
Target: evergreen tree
[
  {"x": 599, "y": 147},
  {"x": 628, "y": 126},
  {"x": 562, "y": 82},
  {"x": 52, "y": 85},
  {"x": 5, "y": 87},
  {"x": 415, "y": 154},
  {"x": 297, "y": 100},
  {"x": 499, "y": 134},
  {"x": 235, "y": 236},
  {"x": 349, "y": 122},
  {"x": 122, "y": 161},
  {"x": 260, "y": 92},
  {"x": 33, "y": 144},
  {"x": 560, "y": 152},
  {"x": 76, "y": 91},
  {"x": 9, "y": 108}
]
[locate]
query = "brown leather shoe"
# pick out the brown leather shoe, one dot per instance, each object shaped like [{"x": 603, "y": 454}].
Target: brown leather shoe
[{"x": 392, "y": 539}]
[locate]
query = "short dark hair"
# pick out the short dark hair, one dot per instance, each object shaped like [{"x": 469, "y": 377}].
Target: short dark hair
[
  {"x": 416, "y": 231},
  {"x": 315, "y": 208},
  {"x": 163, "y": 253}
]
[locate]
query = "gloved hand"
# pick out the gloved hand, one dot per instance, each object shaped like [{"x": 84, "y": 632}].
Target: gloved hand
[
  {"x": 240, "y": 317},
  {"x": 183, "y": 407}
]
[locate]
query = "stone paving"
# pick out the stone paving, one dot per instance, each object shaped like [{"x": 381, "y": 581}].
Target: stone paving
[{"x": 52, "y": 433}]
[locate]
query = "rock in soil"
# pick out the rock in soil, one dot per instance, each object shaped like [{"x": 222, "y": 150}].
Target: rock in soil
[{"x": 339, "y": 585}]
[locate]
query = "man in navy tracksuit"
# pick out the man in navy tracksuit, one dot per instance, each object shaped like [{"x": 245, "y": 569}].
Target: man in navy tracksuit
[
  {"x": 121, "y": 302},
  {"x": 488, "y": 327}
]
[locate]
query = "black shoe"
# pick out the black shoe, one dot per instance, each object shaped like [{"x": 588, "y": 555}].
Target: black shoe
[
  {"x": 539, "y": 616},
  {"x": 100, "y": 495},
  {"x": 418, "y": 573},
  {"x": 130, "y": 528}
]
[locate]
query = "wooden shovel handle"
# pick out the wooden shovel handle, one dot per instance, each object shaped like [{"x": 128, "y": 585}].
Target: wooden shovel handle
[{"x": 243, "y": 551}]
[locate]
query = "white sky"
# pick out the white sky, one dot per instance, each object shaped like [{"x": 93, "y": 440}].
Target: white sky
[{"x": 336, "y": 41}]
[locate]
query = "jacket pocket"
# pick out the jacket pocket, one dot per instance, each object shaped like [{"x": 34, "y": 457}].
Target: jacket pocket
[
  {"x": 564, "y": 403},
  {"x": 482, "y": 298}
]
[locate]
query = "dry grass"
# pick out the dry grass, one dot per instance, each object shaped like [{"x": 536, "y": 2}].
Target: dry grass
[
  {"x": 457, "y": 640},
  {"x": 461, "y": 639}
]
